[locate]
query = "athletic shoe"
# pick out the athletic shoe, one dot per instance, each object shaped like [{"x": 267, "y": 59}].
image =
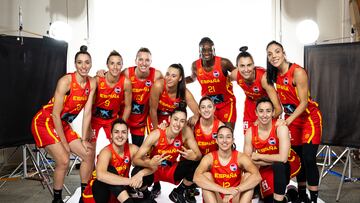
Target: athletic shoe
[
  {"x": 304, "y": 199},
  {"x": 190, "y": 196},
  {"x": 57, "y": 201},
  {"x": 156, "y": 190},
  {"x": 176, "y": 196},
  {"x": 291, "y": 194}
]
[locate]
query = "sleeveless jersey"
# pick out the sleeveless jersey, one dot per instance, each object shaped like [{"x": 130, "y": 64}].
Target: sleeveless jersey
[
  {"x": 169, "y": 148},
  {"x": 288, "y": 94},
  {"x": 122, "y": 166},
  {"x": 140, "y": 98},
  {"x": 228, "y": 175},
  {"x": 253, "y": 92},
  {"x": 214, "y": 83},
  {"x": 268, "y": 146},
  {"x": 166, "y": 105},
  {"x": 74, "y": 102},
  {"x": 107, "y": 101},
  {"x": 206, "y": 142},
  {"x": 271, "y": 146}
]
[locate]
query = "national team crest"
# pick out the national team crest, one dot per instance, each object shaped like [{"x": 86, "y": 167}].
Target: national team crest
[
  {"x": 272, "y": 141},
  {"x": 233, "y": 167},
  {"x": 256, "y": 89},
  {"x": 216, "y": 73},
  {"x": 87, "y": 91},
  {"x": 126, "y": 159},
  {"x": 286, "y": 81},
  {"x": 177, "y": 143},
  {"x": 117, "y": 90},
  {"x": 148, "y": 83}
]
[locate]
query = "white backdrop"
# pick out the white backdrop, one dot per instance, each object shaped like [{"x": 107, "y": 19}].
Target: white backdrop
[{"x": 172, "y": 31}]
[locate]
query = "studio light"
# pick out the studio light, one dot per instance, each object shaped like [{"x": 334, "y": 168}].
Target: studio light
[
  {"x": 61, "y": 31},
  {"x": 307, "y": 31}
]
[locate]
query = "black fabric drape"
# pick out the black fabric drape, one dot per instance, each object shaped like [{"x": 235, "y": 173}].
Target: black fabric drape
[
  {"x": 29, "y": 73},
  {"x": 334, "y": 72}
]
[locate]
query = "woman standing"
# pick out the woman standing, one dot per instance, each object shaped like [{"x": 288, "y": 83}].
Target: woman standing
[
  {"x": 252, "y": 79},
  {"x": 302, "y": 114},
  {"x": 51, "y": 125}
]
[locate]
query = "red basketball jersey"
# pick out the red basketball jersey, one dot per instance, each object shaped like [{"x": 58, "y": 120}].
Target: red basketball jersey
[
  {"x": 74, "y": 102},
  {"x": 166, "y": 105},
  {"x": 169, "y": 148},
  {"x": 253, "y": 92},
  {"x": 206, "y": 142},
  {"x": 214, "y": 83},
  {"x": 140, "y": 98},
  {"x": 107, "y": 101},
  {"x": 228, "y": 175}
]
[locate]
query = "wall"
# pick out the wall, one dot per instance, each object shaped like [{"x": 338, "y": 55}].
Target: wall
[{"x": 331, "y": 15}]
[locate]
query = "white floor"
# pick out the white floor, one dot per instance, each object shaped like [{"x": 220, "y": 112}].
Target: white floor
[{"x": 166, "y": 188}]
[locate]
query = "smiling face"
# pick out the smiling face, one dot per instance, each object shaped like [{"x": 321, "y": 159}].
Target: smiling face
[
  {"x": 265, "y": 112},
  {"x": 114, "y": 65},
  {"x": 119, "y": 134},
  {"x": 172, "y": 77},
  {"x": 207, "y": 51},
  {"x": 276, "y": 55},
  {"x": 225, "y": 139},
  {"x": 246, "y": 68},
  {"x": 207, "y": 109},
  {"x": 143, "y": 61},
  {"x": 177, "y": 122},
  {"x": 83, "y": 64}
]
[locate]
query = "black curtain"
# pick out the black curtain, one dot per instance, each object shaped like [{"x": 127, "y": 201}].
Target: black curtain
[
  {"x": 334, "y": 71},
  {"x": 29, "y": 73}
]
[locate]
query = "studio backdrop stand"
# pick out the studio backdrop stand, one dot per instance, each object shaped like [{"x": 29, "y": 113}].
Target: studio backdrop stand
[{"x": 43, "y": 168}]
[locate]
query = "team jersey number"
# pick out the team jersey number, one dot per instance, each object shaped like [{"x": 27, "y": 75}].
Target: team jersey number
[{"x": 211, "y": 89}]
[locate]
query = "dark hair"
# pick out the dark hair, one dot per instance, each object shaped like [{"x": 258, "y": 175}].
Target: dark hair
[
  {"x": 206, "y": 40},
  {"x": 180, "y": 108},
  {"x": 143, "y": 49},
  {"x": 264, "y": 100},
  {"x": 271, "y": 71},
  {"x": 113, "y": 53},
  {"x": 243, "y": 54},
  {"x": 83, "y": 50},
  {"x": 233, "y": 147},
  {"x": 118, "y": 121},
  {"x": 181, "y": 87},
  {"x": 205, "y": 98}
]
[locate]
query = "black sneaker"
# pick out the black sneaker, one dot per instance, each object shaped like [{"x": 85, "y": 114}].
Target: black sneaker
[
  {"x": 156, "y": 190},
  {"x": 304, "y": 199},
  {"x": 57, "y": 201},
  {"x": 176, "y": 196},
  {"x": 291, "y": 194},
  {"x": 190, "y": 195}
]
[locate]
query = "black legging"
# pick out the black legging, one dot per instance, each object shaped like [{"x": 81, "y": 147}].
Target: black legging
[
  {"x": 309, "y": 172},
  {"x": 137, "y": 139},
  {"x": 101, "y": 191},
  {"x": 185, "y": 169},
  {"x": 281, "y": 177}
]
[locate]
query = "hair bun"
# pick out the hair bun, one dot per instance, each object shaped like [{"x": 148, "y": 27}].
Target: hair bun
[
  {"x": 243, "y": 49},
  {"x": 83, "y": 48}
]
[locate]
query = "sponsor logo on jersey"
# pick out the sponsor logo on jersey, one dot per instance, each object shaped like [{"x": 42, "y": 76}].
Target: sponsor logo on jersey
[
  {"x": 256, "y": 89},
  {"x": 272, "y": 141},
  {"x": 233, "y": 167},
  {"x": 286, "y": 81},
  {"x": 117, "y": 90},
  {"x": 148, "y": 83},
  {"x": 177, "y": 143},
  {"x": 214, "y": 135},
  {"x": 216, "y": 73},
  {"x": 102, "y": 85}
]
